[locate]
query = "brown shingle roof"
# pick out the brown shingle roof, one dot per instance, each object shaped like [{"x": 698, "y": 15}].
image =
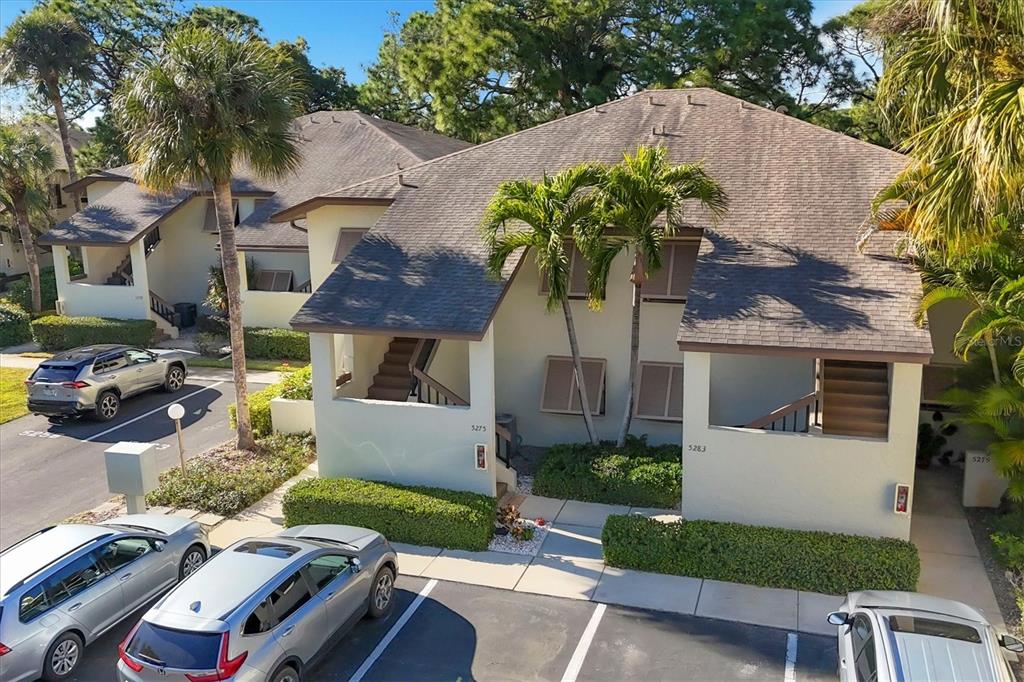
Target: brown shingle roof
[{"x": 780, "y": 270}]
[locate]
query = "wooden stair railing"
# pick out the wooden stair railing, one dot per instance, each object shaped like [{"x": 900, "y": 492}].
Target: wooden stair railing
[
  {"x": 429, "y": 390},
  {"x": 502, "y": 444},
  {"x": 122, "y": 274},
  {"x": 162, "y": 308},
  {"x": 797, "y": 416}
]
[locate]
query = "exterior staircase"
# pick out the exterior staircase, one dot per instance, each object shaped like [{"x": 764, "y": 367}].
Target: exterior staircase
[
  {"x": 393, "y": 381},
  {"x": 122, "y": 274},
  {"x": 855, "y": 398}
]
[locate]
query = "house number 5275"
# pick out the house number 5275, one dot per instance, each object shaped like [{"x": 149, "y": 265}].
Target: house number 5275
[{"x": 478, "y": 427}]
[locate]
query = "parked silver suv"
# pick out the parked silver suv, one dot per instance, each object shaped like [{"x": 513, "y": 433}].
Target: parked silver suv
[
  {"x": 63, "y": 587},
  {"x": 94, "y": 379},
  {"x": 264, "y": 608}
]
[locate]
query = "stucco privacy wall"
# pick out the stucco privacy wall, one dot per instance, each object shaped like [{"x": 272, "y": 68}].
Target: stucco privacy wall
[
  {"x": 179, "y": 266},
  {"x": 525, "y": 334},
  {"x": 12, "y": 257},
  {"x": 273, "y": 308},
  {"x": 84, "y": 298},
  {"x": 450, "y": 366},
  {"x": 99, "y": 262},
  {"x": 296, "y": 261},
  {"x": 796, "y": 480},
  {"x": 292, "y": 416},
  {"x": 409, "y": 443},
  {"x": 745, "y": 387},
  {"x": 322, "y": 227}
]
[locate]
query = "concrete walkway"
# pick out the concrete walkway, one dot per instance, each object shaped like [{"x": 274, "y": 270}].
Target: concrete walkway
[{"x": 950, "y": 564}]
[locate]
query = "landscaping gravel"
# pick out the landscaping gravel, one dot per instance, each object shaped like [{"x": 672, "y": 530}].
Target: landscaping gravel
[{"x": 509, "y": 545}]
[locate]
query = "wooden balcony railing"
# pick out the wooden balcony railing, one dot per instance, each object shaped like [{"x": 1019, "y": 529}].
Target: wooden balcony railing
[{"x": 797, "y": 416}]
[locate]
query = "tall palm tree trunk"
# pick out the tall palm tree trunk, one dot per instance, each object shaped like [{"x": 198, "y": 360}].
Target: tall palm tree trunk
[
  {"x": 232, "y": 282},
  {"x": 28, "y": 244},
  {"x": 577, "y": 363},
  {"x": 65, "y": 140},
  {"x": 634, "y": 358}
]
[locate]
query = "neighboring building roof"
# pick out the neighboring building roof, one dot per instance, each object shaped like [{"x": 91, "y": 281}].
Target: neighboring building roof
[
  {"x": 781, "y": 270},
  {"x": 118, "y": 174},
  {"x": 51, "y": 134},
  {"x": 337, "y": 148}
]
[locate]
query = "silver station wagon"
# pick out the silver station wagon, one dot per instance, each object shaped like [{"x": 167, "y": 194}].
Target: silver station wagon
[
  {"x": 264, "y": 609},
  {"x": 63, "y": 587},
  {"x": 94, "y": 379}
]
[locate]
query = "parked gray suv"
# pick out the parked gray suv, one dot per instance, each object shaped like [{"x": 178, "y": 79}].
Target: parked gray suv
[
  {"x": 94, "y": 379},
  {"x": 63, "y": 587},
  {"x": 264, "y": 608}
]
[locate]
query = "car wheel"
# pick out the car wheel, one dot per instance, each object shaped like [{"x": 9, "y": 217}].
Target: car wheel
[
  {"x": 382, "y": 593},
  {"x": 286, "y": 674},
  {"x": 175, "y": 379},
  {"x": 107, "y": 406},
  {"x": 63, "y": 657},
  {"x": 55, "y": 420},
  {"x": 195, "y": 557}
]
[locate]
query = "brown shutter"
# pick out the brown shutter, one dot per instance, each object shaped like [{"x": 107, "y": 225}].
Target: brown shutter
[
  {"x": 558, "y": 382},
  {"x": 684, "y": 261},
  {"x": 210, "y": 220},
  {"x": 654, "y": 387},
  {"x": 265, "y": 280},
  {"x": 577, "y": 275},
  {"x": 657, "y": 284},
  {"x": 347, "y": 240},
  {"x": 593, "y": 377},
  {"x": 675, "y": 394}
]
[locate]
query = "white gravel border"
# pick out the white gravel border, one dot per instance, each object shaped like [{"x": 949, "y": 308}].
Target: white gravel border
[
  {"x": 509, "y": 545},
  {"x": 524, "y": 485}
]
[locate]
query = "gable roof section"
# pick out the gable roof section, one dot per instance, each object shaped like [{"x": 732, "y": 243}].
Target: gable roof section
[{"x": 780, "y": 271}]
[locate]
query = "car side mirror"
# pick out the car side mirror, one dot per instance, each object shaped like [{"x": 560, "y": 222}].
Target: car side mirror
[
  {"x": 1011, "y": 644},
  {"x": 157, "y": 545},
  {"x": 357, "y": 565},
  {"x": 839, "y": 618}
]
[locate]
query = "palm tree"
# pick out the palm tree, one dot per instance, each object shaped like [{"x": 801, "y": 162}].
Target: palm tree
[
  {"x": 556, "y": 211},
  {"x": 950, "y": 98},
  {"x": 46, "y": 47},
  {"x": 26, "y": 163},
  {"x": 635, "y": 194},
  {"x": 201, "y": 107}
]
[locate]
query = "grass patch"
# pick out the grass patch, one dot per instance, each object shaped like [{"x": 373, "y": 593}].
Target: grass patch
[
  {"x": 225, "y": 481},
  {"x": 36, "y": 354},
  {"x": 831, "y": 563},
  {"x": 13, "y": 395},
  {"x": 639, "y": 474},
  {"x": 419, "y": 515},
  {"x": 258, "y": 365}
]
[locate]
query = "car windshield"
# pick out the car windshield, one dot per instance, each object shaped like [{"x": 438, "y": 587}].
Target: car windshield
[
  {"x": 934, "y": 628},
  {"x": 55, "y": 373},
  {"x": 175, "y": 649}
]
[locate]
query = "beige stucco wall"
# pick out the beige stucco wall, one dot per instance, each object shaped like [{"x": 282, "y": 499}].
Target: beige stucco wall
[
  {"x": 179, "y": 266},
  {"x": 745, "y": 387},
  {"x": 525, "y": 334},
  {"x": 450, "y": 366},
  {"x": 409, "y": 443},
  {"x": 87, "y": 297},
  {"x": 12, "y": 256},
  {"x": 99, "y": 262},
  {"x": 798, "y": 480},
  {"x": 99, "y": 189},
  {"x": 944, "y": 321},
  {"x": 323, "y": 224},
  {"x": 296, "y": 261},
  {"x": 292, "y": 416},
  {"x": 361, "y": 355},
  {"x": 273, "y": 308}
]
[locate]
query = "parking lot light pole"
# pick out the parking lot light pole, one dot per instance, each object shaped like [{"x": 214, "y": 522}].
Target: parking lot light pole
[{"x": 176, "y": 412}]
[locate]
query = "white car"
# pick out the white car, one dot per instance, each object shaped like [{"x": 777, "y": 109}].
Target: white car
[{"x": 910, "y": 637}]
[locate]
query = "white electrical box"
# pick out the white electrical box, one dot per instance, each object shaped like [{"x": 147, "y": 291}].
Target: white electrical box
[{"x": 131, "y": 468}]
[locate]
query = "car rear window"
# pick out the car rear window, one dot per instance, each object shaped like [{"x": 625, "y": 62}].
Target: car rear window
[
  {"x": 179, "y": 649},
  {"x": 934, "y": 628},
  {"x": 55, "y": 373}
]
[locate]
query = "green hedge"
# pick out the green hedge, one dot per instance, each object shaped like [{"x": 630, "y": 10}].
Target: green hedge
[
  {"x": 228, "y": 482},
  {"x": 638, "y": 474},
  {"x": 20, "y": 291},
  {"x": 272, "y": 343},
  {"x": 14, "y": 325},
  {"x": 297, "y": 385},
  {"x": 415, "y": 514},
  {"x": 59, "y": 332},
  {"x": 831, "y": 563}
]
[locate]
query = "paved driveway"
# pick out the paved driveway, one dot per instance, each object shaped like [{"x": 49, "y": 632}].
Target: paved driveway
[
  {"x": 465, "y": 632},
  {"x": 49, "y": 472}
]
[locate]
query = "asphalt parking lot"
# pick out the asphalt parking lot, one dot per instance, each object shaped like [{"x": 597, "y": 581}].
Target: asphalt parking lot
[
  {"x": 49, "y": 472},
  {"x": 466, "y": 632}
]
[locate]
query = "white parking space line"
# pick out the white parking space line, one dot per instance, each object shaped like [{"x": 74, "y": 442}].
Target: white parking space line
[
  {"x": 153, "y": 411},
  {"x": 392, "y": 633},
  {"x": 576, "y": 662},
  {"x": 790, "y": 675}
]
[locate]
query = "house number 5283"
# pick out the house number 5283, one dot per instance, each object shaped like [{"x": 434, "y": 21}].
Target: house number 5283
[{"x": 696, "y": 448}]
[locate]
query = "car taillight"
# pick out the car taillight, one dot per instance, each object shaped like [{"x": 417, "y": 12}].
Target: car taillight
[
  {"x": 4, "y": 649},
  {"x": 225, "y": 668},
  {"x": 74, "y": 384},
  {"x": 122, "y": 650},
  {"x": 29, "y": 382}
]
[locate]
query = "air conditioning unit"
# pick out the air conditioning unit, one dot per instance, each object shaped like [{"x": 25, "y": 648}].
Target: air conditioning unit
[{"x": 59, "y": 306}]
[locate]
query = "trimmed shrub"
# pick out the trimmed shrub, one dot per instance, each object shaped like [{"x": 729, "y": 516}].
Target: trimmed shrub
[
  {"x": 639, "y": 474},
  {"x": 272, "y": 343},
  {"x": 14, "y": 325},
  {"x": 297, "y": 385},
  {"x": 59, "y": 332},
  {"x": 20, "y": 291},
  {"x": 227, "y": 481},
  {"x": 418, "y": 515},
  {"x": 831, "y": 563},
  {"x": 1008, "y": 540}
]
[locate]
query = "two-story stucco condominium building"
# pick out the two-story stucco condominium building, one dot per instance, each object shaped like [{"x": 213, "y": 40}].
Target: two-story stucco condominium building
[{"x": 785, "y": 361}]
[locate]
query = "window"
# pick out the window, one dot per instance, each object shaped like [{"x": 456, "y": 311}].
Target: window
[
  {"x": 33, "y": 603},
  {"x": 77, "y": 576},
  {"x": 934, "y": 628},
  {"x": 137, "y": 357},
  {"x": 290, "y": 596},
  {"x": 55, "y": 373},
  {"x": 561, "y": 392},
  {"x": 58, "y": 197},
  {"x": 109, "y": 363},
  {"x": 260, "y": 620},
  {"x": 120, "y": 553},
  {"x": 274, "y": 549},
  {"x": 274, "y": 280},
  {"x": 347, "y": 240},
  {"x": 210, "y": 219},
  {"x": 864, "y": 662},
  {"x": 323, "y": 570},
  {"x": 935, "y": 381},
  {"x": 672, "y": 281},
  {"x": 175, "y": 649},
  {"x": 660, "y": 392},
  {"x": 577, "y": 275}
]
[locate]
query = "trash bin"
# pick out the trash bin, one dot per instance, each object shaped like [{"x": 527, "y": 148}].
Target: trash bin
[{"x": 186, "y": 313}]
